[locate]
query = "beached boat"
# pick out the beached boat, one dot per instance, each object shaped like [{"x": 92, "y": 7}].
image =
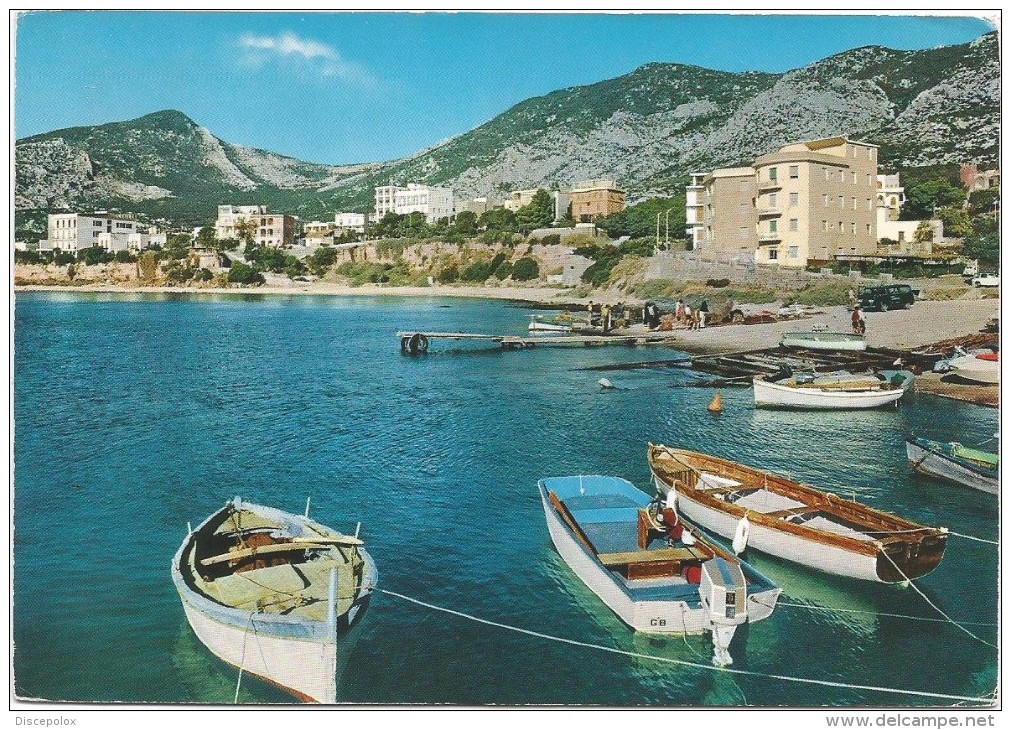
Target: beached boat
[
  {"x": 824, "y": 341},
  {"x": 655, "y": 572},
  {"x": 542, "y": 323},
  {"x": 979, "y": 367},
  {"x": 795, "y": 521},
  {"x": 955, "y": 463},
  {"x": 838, "y": 390},
  {"x": 272, "y": 593}
]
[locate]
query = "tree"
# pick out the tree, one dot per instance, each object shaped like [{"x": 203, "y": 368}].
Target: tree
[
  {"x": 465, "y": 223},
  {"x": 923, "y": 233},
  {"x": 923, "y": 197},
  {"x": 538, "y": 213},
  {"x": 241, "y": 273},
  {"x": 177, "y": 246},
  {"x": 526, "y": 269},
  {"x": 94, "y": 255},
  {"x": 245, "y": 229},
  {"x": 956, "y": 222},
  {"x": 497, "y": 219},
  {"x": 640, "y": 220}
]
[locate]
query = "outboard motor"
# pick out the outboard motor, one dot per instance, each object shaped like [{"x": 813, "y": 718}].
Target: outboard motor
[{"x": 724, "y": 597}]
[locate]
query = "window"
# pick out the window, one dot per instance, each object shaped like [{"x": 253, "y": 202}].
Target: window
[
  {"x": 794, "y": 198},
  {"x": 744, "y": 207},
  {"x": 794, "y": 172},
  {"x": 773, "y": 254},
  {"x": 827, "y": 173},
  {"x": 842, "y": 201},
  {"x": 841, "y": 229},
  {"x": 793, "y": 252},
  {"x": 824, "y": 199},
  {"x": 854, "y": 203},
  {"x": 744, "y": 232},
  {"x": 793, "y": 224},
  {"x": 853, "y": 229},
  {"x": 773, "y": 200},
  {"x": 824, "y": 225},
  {"x": 772, "y": 174},
  {"x": 870, "y": 179},
  {"x": 868, "y": 229},
  {"x": 902, "y": 236},
  {"x": 743, "y": 186},
  {"x": 773, "y": 226},
  {"x": 842, "y": 176},
  {"x": 870, "y": 205}
]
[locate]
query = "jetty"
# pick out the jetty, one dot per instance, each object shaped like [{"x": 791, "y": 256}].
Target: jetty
[{"x": 413, "y": 342}]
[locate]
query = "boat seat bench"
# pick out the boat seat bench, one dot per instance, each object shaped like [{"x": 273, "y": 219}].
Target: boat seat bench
[{"x": 615, "y": 560}]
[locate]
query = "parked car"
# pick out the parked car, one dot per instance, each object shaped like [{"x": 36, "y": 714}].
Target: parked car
[
  {"x": 986, "y": 280},
  {"x": 883, "y": 298}
]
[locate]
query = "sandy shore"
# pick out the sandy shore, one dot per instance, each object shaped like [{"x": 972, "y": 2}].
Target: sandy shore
[{"x": 922, "y": 324}]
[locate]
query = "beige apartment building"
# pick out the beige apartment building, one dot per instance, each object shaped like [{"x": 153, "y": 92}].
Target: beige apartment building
[
  {"x": 593, "y": 199},
  {"x": 809, "y": 201},
  {"x": 729, "y": 220},
  {"x": 269, "y": 229}
]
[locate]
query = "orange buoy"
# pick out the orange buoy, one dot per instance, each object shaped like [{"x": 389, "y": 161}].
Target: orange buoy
[{"x": 717, "y": 404}]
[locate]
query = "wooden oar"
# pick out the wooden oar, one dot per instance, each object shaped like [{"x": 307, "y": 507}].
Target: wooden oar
[{"x": 296, "y": 544}]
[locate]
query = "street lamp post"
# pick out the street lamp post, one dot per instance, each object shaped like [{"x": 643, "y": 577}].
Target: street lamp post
[
  {"x": 667, "y": 226},
  {"x": 657, "y": 247}
]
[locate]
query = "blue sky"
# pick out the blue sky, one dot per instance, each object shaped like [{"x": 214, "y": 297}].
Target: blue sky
[{"x": 353, "y": 87}]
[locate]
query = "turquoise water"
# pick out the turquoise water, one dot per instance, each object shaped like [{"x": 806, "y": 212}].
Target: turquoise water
[{"x": 137, "y": 413}]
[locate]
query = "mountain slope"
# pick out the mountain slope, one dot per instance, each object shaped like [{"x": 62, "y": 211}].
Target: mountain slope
[{"x": 648, "y": 129}]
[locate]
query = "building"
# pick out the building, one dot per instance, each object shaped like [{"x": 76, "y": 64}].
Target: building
[
  {"x": 695, "y": 210},
  {"x": 897, "y": 237},
  {"x": 349, "y": 223},
  {"x": 269, "y": 229},
  {"x": 891, "y": 197},
  {"x": 477, "y": 206},
  {"x": 973, "y": 179},
  {"x": 816, "y": 200},
  {"x": 435, "y": 203},
  {"x": 519, "y": 198},
  {"x": 808, "y": 201},
  {"x": 593, "y": 199},
  {"x": 73, "y": 232},
  {"x": 729, "y": 218}
]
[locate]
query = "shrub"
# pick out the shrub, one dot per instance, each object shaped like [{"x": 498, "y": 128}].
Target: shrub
[
  {"x": 94, "y": 255},
  {"x": 599, "y": 271},
  {"x": 657, "y": 289},
  {"x": 504, "y": 270},
  {"x": 27, "y": 257},
  {"x": 643, "y": 247},
  {"x": 552, "y": 239},
  {"x": 241, "y": 273},
  {"x": 496, "y": 261},
  {"x": 944, "y": 294},
  {"x": 477, "y": 271},
  {"x": 204, "y": 275},
  {"x": 448, "y": 274},
  {"x": 525, "y": 269},
  {"x": 825, "y": 294},
  {"x": 61, "y": 258},
  {"x": 124, "y": 257},
  {"x": 718, "y": 283}
]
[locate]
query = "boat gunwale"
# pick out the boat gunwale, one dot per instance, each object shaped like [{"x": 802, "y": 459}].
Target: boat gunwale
[
  {"x": 887, "y": 521},
  {"x": 970, "y": 464}
]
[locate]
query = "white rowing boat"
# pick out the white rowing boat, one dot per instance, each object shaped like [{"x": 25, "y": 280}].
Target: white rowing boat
[
  {"x": 981, "y": 367},
  {"x": 272, "y": 593},
  {"x": 955, "y": 463},
  {"x": 831, "y": 391},
  {"x": 824, "y": 341}
]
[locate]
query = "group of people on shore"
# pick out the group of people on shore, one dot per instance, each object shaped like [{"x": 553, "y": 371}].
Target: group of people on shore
[
  {"x": 684, "y": 316},
  {"x": 607, "y": 316}
]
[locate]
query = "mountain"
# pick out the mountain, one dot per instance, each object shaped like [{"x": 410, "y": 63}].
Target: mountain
[{"x": 648, "y": 129}]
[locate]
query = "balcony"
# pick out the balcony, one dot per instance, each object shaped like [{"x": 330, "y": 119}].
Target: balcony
[
  {"x": 768, "y": 238},
  {"x": 769, "y": 213},
  {"x": 768, "y": 185}
]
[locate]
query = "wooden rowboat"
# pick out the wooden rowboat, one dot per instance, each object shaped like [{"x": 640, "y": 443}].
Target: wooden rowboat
[
  {"x": 271, "y": 593},
  {"x": 658, "y": 574},
  {"x": 834, "y": 341},
  {"x": 955, "y": 463},
  {"x": 831, "y": 391},
  {"x": 795, "y": 521}
]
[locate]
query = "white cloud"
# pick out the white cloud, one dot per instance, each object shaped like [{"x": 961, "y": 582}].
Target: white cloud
[{"x": 323, "y": 60}]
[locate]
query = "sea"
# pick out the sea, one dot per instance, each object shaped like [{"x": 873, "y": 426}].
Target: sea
[{"x": 136, "y": 415}]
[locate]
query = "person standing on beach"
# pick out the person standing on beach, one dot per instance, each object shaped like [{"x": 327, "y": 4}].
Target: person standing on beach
[
  {"x": 703, "y": 313},
  {"x": 679, "y": 311},
  {"x": 858, "y": 321},
  {"x": 686, "y": 314}
]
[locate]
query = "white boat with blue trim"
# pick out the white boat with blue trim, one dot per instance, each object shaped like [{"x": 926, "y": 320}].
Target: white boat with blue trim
[
  {"x": 272, "y": 593},
  {"x": 657, "y": 573},
  {"x": 831, "y": 391},
  {"x": 834, "y": 341},
  {"x": 955, "y": 463}
]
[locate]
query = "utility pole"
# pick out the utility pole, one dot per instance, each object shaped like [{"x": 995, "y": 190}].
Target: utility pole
[
  {"x": 667, "y": 224},
  {"x": 657, "y": 247}
]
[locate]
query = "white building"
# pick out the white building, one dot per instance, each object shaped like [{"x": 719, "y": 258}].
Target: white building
[
  {"x": 891, "y": 197},
  {"x": 270, "y": 229},
  {"x": 435, "y": 203},
  {"x": 695, "y": 210},
  {"x": 520, "y": 198},
  {"x": 73, "y": 232},
  {"x": 349, "y": 222}
]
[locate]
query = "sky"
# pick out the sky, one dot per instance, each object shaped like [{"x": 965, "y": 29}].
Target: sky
[{"x": 355, "y": 87}]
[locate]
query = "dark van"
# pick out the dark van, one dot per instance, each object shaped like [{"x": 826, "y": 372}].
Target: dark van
[{"x": 883, "y": 298}]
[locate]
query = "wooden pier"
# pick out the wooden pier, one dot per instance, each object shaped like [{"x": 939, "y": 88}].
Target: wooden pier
[{"x": 416, "y": 343}]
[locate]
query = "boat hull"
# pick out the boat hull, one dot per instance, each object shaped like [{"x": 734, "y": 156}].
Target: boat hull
[
  {"x": 678, "y": 617},
  {"x": 929, "y": 462},
  {"x": 810, "y": 553},
  {"x": 773, "y": 395},
  {"x": 970, "y": 367},
  {"x": 824, "y": 341}
]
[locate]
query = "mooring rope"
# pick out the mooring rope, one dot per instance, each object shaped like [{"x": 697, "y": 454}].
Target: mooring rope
[
  {"x": 876, "y": 613},
  {"x": 242, "y": 662},
  {"x": 682, "y": 662},
  {"x": 977, "y": 539},
  {"x": 932, "y": 604}
]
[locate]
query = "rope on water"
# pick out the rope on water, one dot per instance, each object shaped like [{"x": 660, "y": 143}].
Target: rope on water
[
  {"x": 242, "y": 662},
  {"x": 977, "y": 539},
  {"x": 668, "y": 660},
  {"x": 932, "y": 604},
  {"x": 876, "y": 613}
]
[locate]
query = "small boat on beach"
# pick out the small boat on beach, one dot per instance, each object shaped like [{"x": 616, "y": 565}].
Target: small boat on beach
[
  {"x": 272, "y": 593},
  {"x": 955, "y": 463},
  {"x": 544, "y": 323},
  {"x": 657, "y": 573},
  {"x": 978, "y": 367},
  {"x": 835, "y": 341},
  {"x": 839, "y": 390},
  {"x": 794, "y": 521}
]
